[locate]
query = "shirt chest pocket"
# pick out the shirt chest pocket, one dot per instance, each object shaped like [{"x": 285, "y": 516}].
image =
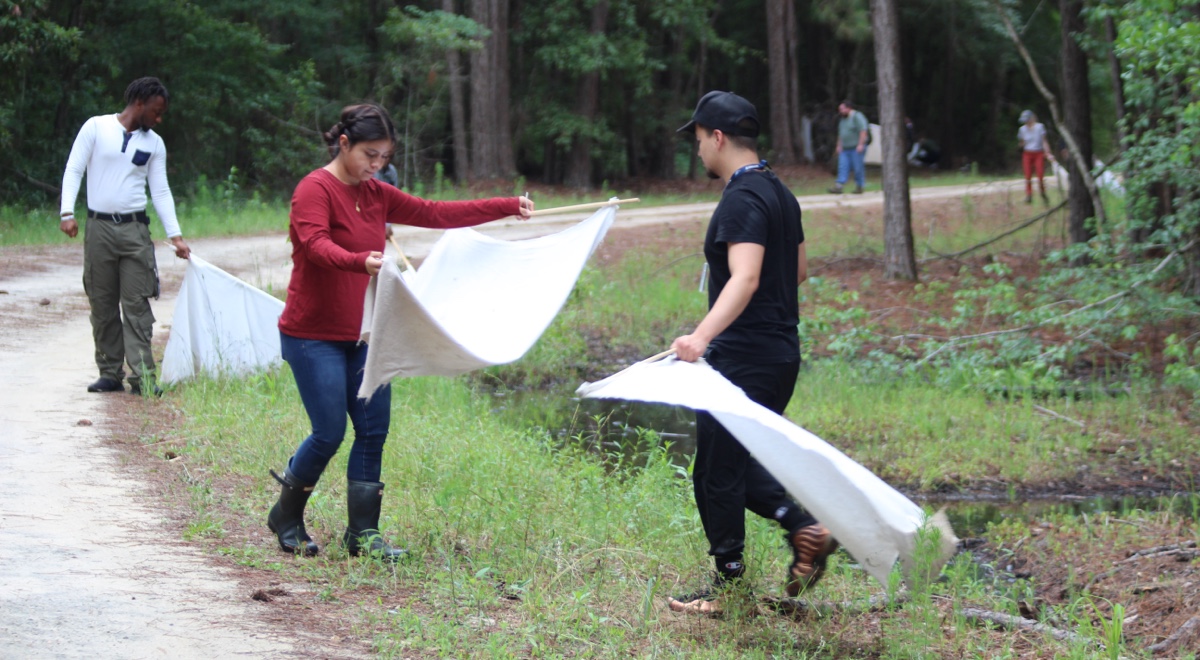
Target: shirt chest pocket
[{"x": 140, "y": 157}]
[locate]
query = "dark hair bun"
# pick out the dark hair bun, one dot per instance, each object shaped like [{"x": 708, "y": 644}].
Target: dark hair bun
[{"x": 332, "y": 135}]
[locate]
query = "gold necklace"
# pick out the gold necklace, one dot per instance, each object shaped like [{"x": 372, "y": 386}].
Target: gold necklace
[{"x": 357, "y": 190}]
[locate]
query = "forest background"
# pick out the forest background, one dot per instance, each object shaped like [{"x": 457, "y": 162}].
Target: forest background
[
  {"x": 573, "y": 92},
  {"x": 943, "y": 385},
  {"x": 581, "y": 94}
]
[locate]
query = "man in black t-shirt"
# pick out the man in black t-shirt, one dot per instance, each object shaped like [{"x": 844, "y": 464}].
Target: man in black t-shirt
[{"x": 756, "y": 260}]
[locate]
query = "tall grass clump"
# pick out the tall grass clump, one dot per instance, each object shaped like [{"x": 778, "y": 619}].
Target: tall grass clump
[{"x": 29, "y": 226}]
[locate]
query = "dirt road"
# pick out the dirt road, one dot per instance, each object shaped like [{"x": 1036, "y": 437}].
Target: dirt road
[{"x": 88, "y": 566}]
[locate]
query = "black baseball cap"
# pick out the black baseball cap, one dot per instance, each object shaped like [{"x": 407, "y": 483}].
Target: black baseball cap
[{"x": 723, "y": 111}]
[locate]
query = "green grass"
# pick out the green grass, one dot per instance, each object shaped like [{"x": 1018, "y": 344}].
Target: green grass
[
  {"x": 522, "y": 548},
  {"x": 929, "y": 438},
  {"x": 590, "y": 547}
]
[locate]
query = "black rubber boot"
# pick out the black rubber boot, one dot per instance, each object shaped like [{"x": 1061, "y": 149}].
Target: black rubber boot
[
  {"x": 363, "y": 502},
  {"x": 286, "y": 518}
]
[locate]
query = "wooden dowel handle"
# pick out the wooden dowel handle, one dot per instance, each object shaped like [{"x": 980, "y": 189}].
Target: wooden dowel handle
[
  {"x": 407, "y": 265},
  {"x": 583, "y": 207},
  {"x": 655, "y": 358}
]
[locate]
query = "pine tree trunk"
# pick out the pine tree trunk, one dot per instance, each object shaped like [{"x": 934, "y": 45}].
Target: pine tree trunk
[
  {"x": 1077, "y": 117},
  {"x": 783, "y": 150},
  {"x": 803, "y": 150},
  {"x": 491, "y": 135},
  {"x": 458, "y": 112},
  {"x": 1114, "y": 70},
  {"x": 587, "y": 102},
  {"x": 506, "y": 159},
  {"x": 666, "y": 142},
  {"x": 899, "y": 260}
]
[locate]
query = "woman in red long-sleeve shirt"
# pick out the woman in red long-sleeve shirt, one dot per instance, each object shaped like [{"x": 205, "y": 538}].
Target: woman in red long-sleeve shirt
[{"x": 338, "y": 219}]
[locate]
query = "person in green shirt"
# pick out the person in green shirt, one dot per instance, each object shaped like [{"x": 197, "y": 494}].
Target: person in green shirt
[{"x": 851, "y": 147}]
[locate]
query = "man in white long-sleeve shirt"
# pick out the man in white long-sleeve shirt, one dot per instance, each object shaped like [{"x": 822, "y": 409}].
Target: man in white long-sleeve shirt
[{"x": 121, "y": 154}]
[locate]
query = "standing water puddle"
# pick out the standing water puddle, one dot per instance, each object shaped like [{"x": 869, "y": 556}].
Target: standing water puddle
[{"x": 610, "y": 426}]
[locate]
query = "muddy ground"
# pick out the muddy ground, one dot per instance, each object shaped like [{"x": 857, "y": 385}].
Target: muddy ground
[{"x": 92, "y": 508}]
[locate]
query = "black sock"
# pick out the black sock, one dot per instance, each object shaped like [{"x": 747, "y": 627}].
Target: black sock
[
  {"x": 792, "y": 518},
  {"x": 729, "y": 568}
]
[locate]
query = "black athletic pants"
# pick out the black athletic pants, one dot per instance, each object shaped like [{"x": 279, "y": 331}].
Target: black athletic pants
[{"x": 727, "y": 480}]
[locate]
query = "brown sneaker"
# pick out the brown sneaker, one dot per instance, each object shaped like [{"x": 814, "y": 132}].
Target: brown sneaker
[{"x": 811, "y": 547}]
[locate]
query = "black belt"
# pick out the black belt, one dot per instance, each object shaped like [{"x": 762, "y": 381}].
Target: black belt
[{"x": 118, "y": 218}]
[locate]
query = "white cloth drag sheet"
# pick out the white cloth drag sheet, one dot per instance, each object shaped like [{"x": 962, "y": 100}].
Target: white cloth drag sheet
[
  {"x": 872, "y": 520},
  {"x": 476, "y": 301},
  {"x": 221, "y": 326}
]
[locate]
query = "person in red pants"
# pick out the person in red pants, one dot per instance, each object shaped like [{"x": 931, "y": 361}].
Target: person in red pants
[{"x": 1035, "y": 149}]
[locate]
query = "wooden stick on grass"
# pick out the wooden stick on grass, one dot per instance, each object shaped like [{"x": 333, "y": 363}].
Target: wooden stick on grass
[
  {"x": 583, "y": 207},
  {"x": 1011, "y": 622}
]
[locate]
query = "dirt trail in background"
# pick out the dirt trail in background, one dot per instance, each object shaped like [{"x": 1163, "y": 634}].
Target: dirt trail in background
[{"x": 89, "y": 566}]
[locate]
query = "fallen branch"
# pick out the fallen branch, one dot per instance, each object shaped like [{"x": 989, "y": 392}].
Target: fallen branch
[
  {"x": 989, "y": 241},
  {"x": 53, "y": 190},
  {"x": 1184, "y": 634},
  {"x": 1051, "y": 413},
  {"x": 1010, "y": 622},
  {"x": 1159, "y": 549},
  {"x": 284, "y": 122},
  {"x": 1184, "y": 555},
  {"x": 675, "y": 261}
]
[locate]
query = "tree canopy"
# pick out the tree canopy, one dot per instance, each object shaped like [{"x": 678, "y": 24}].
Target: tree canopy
[{"x": 255, "y": 83}]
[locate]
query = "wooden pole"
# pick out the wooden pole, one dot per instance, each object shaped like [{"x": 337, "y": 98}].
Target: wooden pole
[
  {"x": 661, "y": 356},
  {"x": 583, "y": 207},
  {"x": 586, "y": 388},
  {"x": 407, "y": 265}
]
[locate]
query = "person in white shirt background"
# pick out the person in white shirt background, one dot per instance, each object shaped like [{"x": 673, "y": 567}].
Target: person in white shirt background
[
  {"x": 1035, "y": 149},
  {"x": 121, "y": 154}
]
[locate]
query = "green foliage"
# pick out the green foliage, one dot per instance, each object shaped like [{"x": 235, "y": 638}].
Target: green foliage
[
  {"x": 414, "y": 79},
  {"x": 850, "y": 19},
  {"x": 1159, "y": 45},
  {"x": 255, "y": 83},
  {"x": 23, "y": 35},
  {"x": 1182, "y": 369}
]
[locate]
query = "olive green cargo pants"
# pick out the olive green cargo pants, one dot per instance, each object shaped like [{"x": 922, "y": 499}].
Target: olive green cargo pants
[{"x": 120, "y": 275}]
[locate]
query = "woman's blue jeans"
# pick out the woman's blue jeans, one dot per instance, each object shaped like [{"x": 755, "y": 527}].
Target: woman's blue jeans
[{"x": 328, "y": 375}]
